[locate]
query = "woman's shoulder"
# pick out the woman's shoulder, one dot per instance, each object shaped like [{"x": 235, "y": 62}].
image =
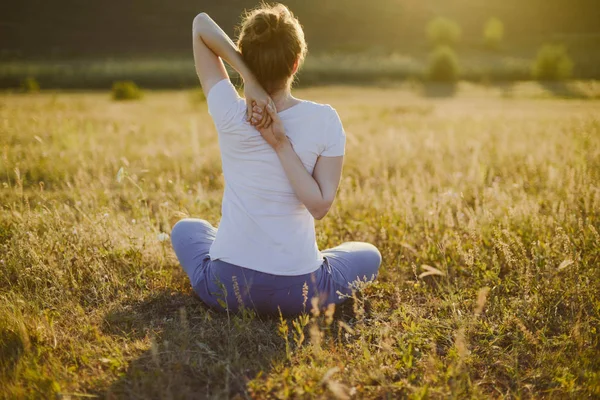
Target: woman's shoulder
[
  {"x": 225, "y": 105},
  {"x": 317, "y": 110}
]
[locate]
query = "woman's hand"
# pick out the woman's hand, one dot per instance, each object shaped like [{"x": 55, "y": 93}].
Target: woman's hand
[
  {"x": 256, "y": 96},
  {"x": 274, "y": 134},
  {"x": 317, "y": 190}
]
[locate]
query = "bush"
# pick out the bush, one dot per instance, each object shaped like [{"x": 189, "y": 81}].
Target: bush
[
  {"x": 443, "y": 31},
  {"x": 30, "y": 85},
  {"x": 493, "y": 33},
  {"x": 443, "y": 65},
  {"x": 126, "y": 90},
  {"x": 552, "y": 64}
]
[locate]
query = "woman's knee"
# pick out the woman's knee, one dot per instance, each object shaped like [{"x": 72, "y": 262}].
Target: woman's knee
[
  {"x": 358, "y": 258},
  {"x": 185, "y": 229},
  {"x": 370, "y": 256},
  {"x": 180, "y": 229}
]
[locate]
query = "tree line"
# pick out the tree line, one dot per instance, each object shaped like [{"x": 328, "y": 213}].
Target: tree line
[{"x": 72, "y": 28}]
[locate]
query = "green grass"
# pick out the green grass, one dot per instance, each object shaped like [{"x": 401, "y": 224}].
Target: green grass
[{"x": 496, "y": 188}]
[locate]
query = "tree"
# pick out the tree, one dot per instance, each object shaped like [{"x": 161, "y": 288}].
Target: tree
[
  {"x": 552, "y": 63},
  {"x": 493, "y": 33},
  {"x": 443, "y": 65},
  {"x": 443, "y": 31}
]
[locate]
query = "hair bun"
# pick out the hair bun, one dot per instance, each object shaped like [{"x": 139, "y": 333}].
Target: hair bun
[
  {"x": 271, "y": 42},
  {"x": 266, "y": 24}
]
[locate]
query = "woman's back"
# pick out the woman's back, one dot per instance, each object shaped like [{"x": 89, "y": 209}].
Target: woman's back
[
  {"x": 282, "y": 170},
  {"x": 264, "y": 226}
]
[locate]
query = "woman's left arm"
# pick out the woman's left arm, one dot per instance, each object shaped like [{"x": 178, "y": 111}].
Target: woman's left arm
[{"x": 316, "y": 192}]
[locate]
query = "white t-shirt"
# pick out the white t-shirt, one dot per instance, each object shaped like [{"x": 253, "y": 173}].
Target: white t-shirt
[{"x": 263, "y": 225}]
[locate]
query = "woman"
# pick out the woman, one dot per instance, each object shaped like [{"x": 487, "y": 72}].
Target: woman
[{"x": 282, "y": 162}]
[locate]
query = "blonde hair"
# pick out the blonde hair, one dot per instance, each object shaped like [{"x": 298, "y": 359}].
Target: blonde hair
[{"x": 271, "y": 41}]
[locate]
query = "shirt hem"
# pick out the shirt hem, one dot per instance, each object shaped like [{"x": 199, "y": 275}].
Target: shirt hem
[{"x": 264, "y": 271}]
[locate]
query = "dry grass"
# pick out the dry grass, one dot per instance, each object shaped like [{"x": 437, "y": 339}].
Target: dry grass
[{"x": 486, "y": 208}]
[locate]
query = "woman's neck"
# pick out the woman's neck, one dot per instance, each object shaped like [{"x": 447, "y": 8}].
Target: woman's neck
[{"x": 283, "y": 99}]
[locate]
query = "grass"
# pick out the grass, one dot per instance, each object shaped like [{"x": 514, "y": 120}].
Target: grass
[{"x": 485, "y": 206}]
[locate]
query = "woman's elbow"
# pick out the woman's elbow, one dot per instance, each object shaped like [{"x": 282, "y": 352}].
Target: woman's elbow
[
  {"x": 200, "y": 20},
  {"x": 318, "y": 215},
  {"x": 320, "y": 211}
]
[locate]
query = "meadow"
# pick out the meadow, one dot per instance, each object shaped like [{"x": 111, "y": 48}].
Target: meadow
[{"x": 484, "y": 202}]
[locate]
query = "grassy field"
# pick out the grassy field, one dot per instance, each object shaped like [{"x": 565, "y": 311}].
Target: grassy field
[{"x": 496, "y": 190}]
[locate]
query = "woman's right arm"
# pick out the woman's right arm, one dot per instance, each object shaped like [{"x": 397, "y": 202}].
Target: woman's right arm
[{"x": 211, "y": 45}]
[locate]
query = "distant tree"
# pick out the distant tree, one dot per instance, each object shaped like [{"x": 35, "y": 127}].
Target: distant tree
[
  {"x": 443, "y": 31},
  {"x": 552, "y": 63},
  {"x": 443, "y": 65},
  {"x": 493, "y": 33}
]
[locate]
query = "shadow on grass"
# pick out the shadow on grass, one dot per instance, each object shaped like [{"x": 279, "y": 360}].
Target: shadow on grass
[
  {"x": 439, "y": 90},
  {"x": 11, "y": 350},
  {"x": 194, "y": 352}
]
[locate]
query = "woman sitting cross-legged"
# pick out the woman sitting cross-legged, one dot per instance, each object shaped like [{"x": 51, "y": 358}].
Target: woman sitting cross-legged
[{"x": 282, "y": 162}]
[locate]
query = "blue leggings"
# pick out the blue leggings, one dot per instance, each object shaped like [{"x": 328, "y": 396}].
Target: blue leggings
[{"x": 224, "y": 286}]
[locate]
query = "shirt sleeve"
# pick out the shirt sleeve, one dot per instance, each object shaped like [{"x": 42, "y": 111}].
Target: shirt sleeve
[
  {"x": 223, "y": 103},
  {"x": 336, "y": 142}
]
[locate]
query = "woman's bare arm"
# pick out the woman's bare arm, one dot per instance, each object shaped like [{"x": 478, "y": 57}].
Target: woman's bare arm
[
  {"x": 211, "y": 45},
  {"x": 316, "y": 192}
]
